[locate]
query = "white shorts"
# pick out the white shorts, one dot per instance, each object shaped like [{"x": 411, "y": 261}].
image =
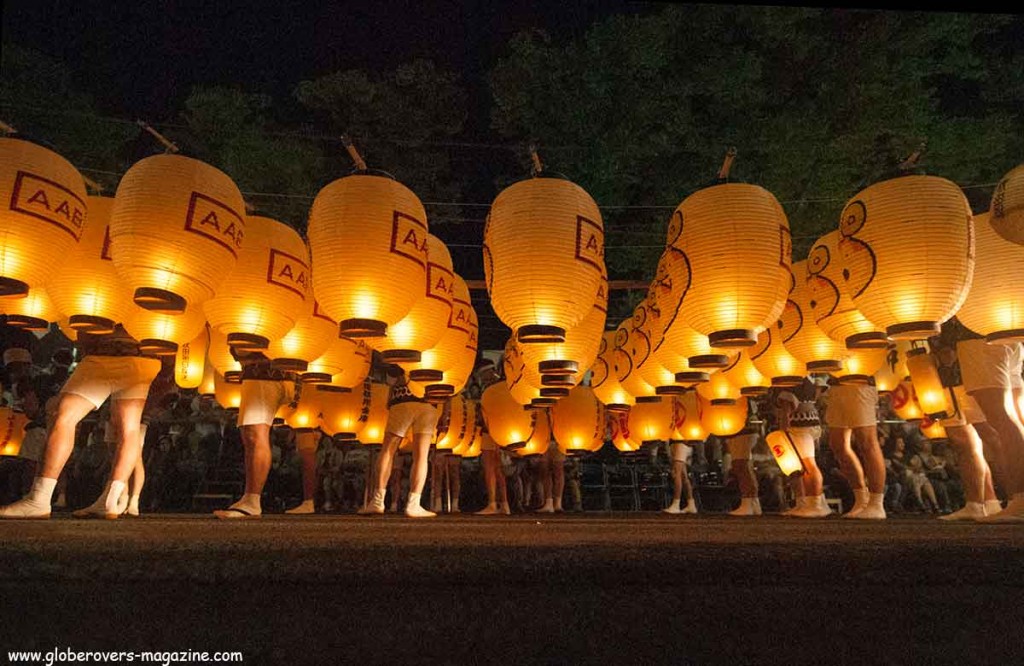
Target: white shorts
[
  {"x": 805, "y": 440},
  {"x": 681, "y": 452},
  {"x": 969, "y": 410},
  {"x": 97, "y": 378},
  {"x": 984, "y": 366},
  {"x": 419, "y": 417},
  {"x": 260, "y": 400},
  {"x": 851, "y": 406},
  {"x": 740, "y": 446}
]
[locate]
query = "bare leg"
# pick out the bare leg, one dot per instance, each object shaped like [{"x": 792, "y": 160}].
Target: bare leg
[
  {"x": 558, "y": 482},
  {"x": 127, "y": 417},
  {"x": 849, "y": 465},
  {"x": 305, "y": 444},
  {"x": 61, "y": 441},
  {"x": 256, "y": 440},
  {"x": 869, "y": 451},
  {"x": 1000, "y": 408},
  {"x": 677, "y": 480},
  {"x": 420, "y": 462},
  {"x": 991, "y": 448},
  {"x": 811, "y": 481},
  {"x": 967, "y": 444},
  {"x": 454, "y": 482},
  {"x": 744, "y": 472}
]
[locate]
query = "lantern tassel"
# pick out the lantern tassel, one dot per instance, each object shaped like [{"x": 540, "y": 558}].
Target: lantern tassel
[
  {"x": 96, "y": 187},
  {"x": 7, "y": 129},
  {"x": 730, "y": 157},
  {"x": 168, "y": 145},
  {"x": 353, "y": 153},
  {"x": 912, "y": 160}
]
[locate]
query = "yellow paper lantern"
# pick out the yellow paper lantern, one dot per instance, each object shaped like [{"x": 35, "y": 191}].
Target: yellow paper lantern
[
  {"x": 375, "y": 428},
  {"x": 219, "y": 356},
  {"x": 994, "y": 306},
  {"x": 227, "y": 394},
  {"x": 907, "y": 248},
  {"x": 43, "y": 216},
  {"x": 718, "y": 387},
  {"x": 190, "y": 361},
  {"x": 577, "y": 420},
  {"x": 652, "y": 421},
  {"x": 833, "y": 309},
  {"x": 904, "y": 402},
  {"x": 894, "y": 369},
  {"x": 543, "y": 257},
  {"x": 686, "y": 424},
  {"x": 346, "y": 363},
  {"x": 932, "y": 429},
  {"x": 507, "y": 422},
  {"x": 177, "y": 227},
  {"x": 267, "y": 290},
  {"x": 631, "y": 348},
  {"x": 426, "y": 322},
  {"x": 932, "y": 397},
  {"x": 860, "y": 364},
  {"x": 308, "y": 340},
  {"x": 160, "y": 332},
  {"x": 369, "y": 234},
  {"x": 33, "y": 312},
  {"x": 12, "y": 431},
  {"x": 784, "y": 451},
  {"x": 450, "y": 434},
  {"x": 801, "y": 335},
  {"x": 734, "y": 287},
  {"x": 1007, "y": 208},
  {"x": 207, "y": 387},
  {"x": 87, "y": 288},
  {"x": 525, "y": 385},
  {"x": 745, "y": 375},
  {"x": 445, "y": 368},
  {"x": 603, "y": 378},
  {"x": 641, "y": 349},
  {"x": 343, "y": 411},
  {"x": 773, "y": 361},
  {"x": 306, "y": 415},
  {"x": 623, "y": 437},
  {"x": 540, "y": 438},
  {"x": 723, "y": 419},
  {"x": 475, "y": 447}
]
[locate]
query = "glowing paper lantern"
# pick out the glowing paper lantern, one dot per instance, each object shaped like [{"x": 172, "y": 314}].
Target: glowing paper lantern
[
  {"x": 745, "y": 375},
  {"x": 801, "y": 335},
  {"x": 369, "y": 234},
  {"x": 43, "y": 216},
  {"x": 773, "y": 361},
  {"x": 686, "y": 424},
  {"x": 87, "y": 288},
  {"x": 717, "y": 388},
  {"x": 631, "y": 349},
  {"x": 190, "y": 361},
  {"x": 306, "y": 415},
  {"x": 833, "y": 309},
  {"x": 476, "y": 445},
  {"x": 346, "y": 363},
  {"x": 308, "y": 339},
  {"x": 577, "y": 420},
  {"x": 267, "y": 290},
  {"x": 12, "y": 431},
  {"x": 784, "y": 451},
  {"x": 426, "y": 322},
  {"x": 932, "y": 429},
  {"x": 219, "y": 356},
  {"x": 734, "y": 287},
  {"x": 33, "y": 312},
  {"x": 994, "y": 306},
  {"x": 450, "y": 434},
  {"x": 375, "y": 428},
  {"x": 507, "y": 422},
  {"x": 908, "y": 291},
  {"x": 343, "y": 412},
  {"x": 445, "y": 368},
  {"x": 723, "y": 419},
  {"x": 177, "y": 227},
  {"x": 161, "y": 333},
  {"x": 540, "y": 438},
  {"x": 932, "y": 397},
  {"x": 207, "y": 387},
  {"x": 894, "y": 368},
  {"x": 622, "y": 435},
  {"x": 227, "y": 394},
  {"x": 1007, "y": 208},
  {"x": 603, "y": 378},
  {"x": 904, "y": 402},
  {"x": 543, "y": 257},
  {"x": 651, "y": 421},
  {"x": 526, "y": 386},
  {"x": 860, "y": 364},
  {"x": 640, "y": 347}
]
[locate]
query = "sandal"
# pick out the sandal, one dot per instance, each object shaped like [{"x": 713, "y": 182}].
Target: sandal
[{"x": 234, "y": 513}]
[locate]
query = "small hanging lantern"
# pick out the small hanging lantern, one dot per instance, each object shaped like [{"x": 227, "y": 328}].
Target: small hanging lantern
[
  {"x": 622, "y": 435},
  {"x": 343, "y": 413},
  {"x": 306, "y": 415},
  {"x": 43, "y": 216},
  {"x": 784, "y": 451},
  {"x": 687, "y": 426},
  {"x": 507, "y": 422},
  {"x": 651, "y": 421},
  {"x": 577, "y": 420},
  {"x": 190, "y": 361},
  {"x": 307, "y": 341},
  {"x": 894, "y": 368},
  {"x": 227, "y": 394},
  {"x": 603, "y": 378},
  {"x": 933, "y": 399},
  {"x": 932, "y": 429},
  {"x": 176, "y": 230},
  {"x": 1007, "y": 208},
  {"x": 375, "y": 428},
  {"x": 450, "y": 433},
  {"x": 543, "y": 257},
  {"x": 904, "y": 402},
  {"x": 207, "y": 387},
  {"x": 908, "y": 292},
  {"x": 12, "y": 431},
  {"x": 723, "y": 419}
]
